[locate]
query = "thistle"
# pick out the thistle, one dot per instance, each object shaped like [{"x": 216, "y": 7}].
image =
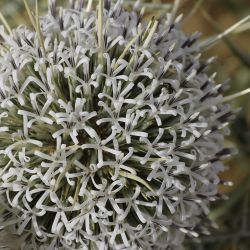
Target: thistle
[{"x": 111, "y": 130}]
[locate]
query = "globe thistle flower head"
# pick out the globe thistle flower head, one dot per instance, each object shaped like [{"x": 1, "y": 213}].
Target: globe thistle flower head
[{"x": 112, "y": 130}]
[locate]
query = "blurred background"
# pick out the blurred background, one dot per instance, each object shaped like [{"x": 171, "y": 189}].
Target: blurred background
[{"x": 233, "y": 61}]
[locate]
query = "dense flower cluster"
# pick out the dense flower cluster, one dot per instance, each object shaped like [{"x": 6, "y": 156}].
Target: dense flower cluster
[{"x": 111, "y": 131}]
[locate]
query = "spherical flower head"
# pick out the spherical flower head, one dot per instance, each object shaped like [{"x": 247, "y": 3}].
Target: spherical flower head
[{"x": 111, "y": 131}]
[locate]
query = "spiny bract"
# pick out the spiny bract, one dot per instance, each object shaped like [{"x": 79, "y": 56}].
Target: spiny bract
[{"x": 111, "y": 131}]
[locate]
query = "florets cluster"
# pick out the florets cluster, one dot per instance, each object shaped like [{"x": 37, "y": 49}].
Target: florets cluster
[{"x": 111, "y": 131}]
